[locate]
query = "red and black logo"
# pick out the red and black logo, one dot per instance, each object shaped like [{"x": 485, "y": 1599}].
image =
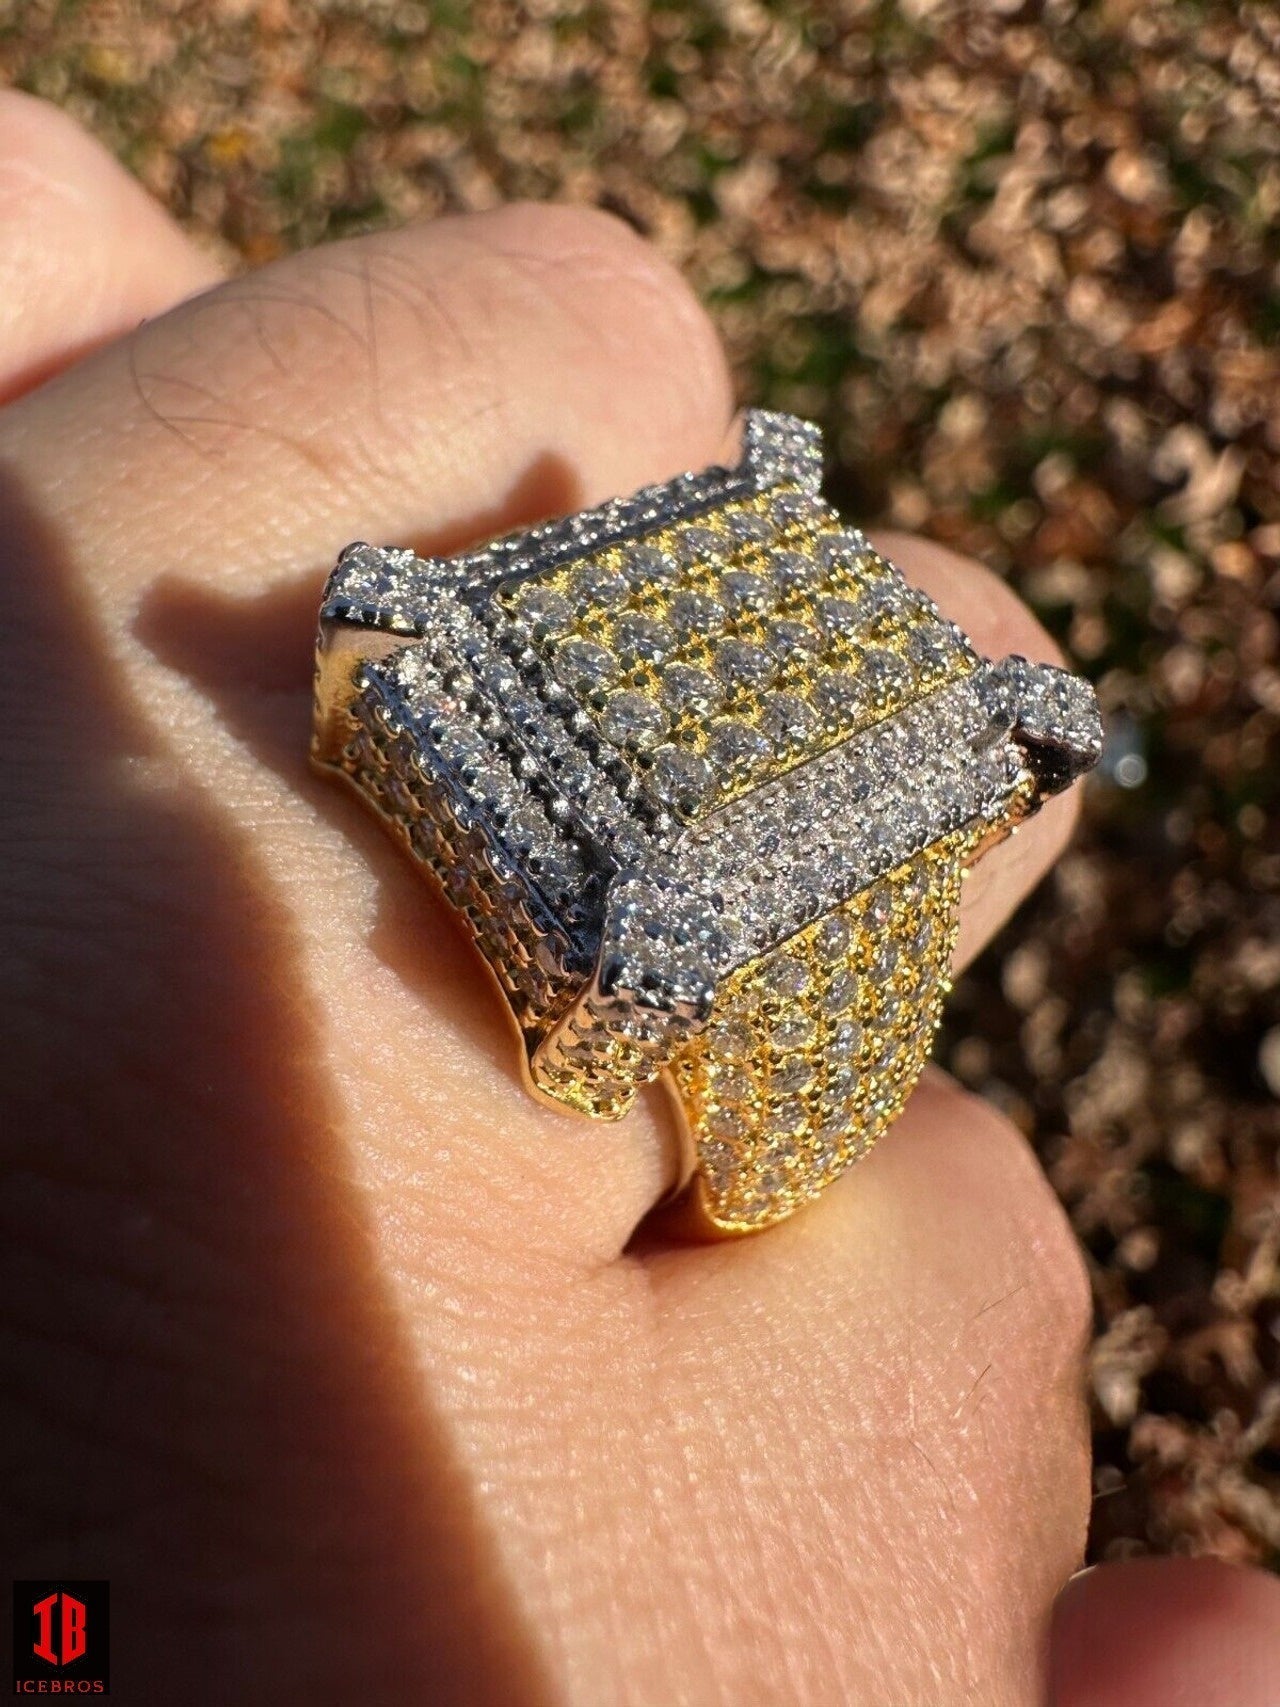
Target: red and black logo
[{"x": 60, "y": 1638}]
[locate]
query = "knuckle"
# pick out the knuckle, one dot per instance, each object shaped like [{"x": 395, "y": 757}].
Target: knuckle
[
  {"x": 622, "y": 288},
  {"x": 42, "y": 150}
]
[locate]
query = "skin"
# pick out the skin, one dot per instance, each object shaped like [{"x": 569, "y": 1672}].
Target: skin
[{"x": 333, "y": 1351}]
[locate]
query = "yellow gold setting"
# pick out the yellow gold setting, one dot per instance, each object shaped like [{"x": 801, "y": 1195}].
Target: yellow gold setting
[{"x": 702, "y": 773}]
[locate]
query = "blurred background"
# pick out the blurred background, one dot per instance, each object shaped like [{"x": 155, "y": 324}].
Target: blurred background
[{"x": 1023, "y": 263}]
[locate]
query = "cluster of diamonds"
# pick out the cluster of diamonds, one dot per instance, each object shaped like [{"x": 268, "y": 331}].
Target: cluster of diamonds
[
  {"x": 814, "y": 1047},
  {"x": 713, "y": 769}
]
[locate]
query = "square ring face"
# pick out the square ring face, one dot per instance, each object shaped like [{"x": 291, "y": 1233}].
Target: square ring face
[{"x": 643, "y": 747}]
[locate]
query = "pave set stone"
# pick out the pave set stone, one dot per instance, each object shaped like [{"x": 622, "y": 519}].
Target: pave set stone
[{"x": 702, "y": 772}]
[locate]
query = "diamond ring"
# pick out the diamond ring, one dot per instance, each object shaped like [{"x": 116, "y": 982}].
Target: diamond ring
[{"x": 702, "y": 773}]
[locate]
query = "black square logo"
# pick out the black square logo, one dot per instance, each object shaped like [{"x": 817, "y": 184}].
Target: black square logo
[{"x": 61, "y": 1636}]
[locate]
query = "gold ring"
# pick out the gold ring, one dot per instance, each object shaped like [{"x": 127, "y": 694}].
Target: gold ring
[{"x": 702, "y": 773}]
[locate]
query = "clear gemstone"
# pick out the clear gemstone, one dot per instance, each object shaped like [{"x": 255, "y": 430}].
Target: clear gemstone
[
  {"x": 692, "y": 613},
  {"x": 837, "y": 616},
  {"x": 787, "y": 719},
  {"x": 838, "y": 696},
  {"x": 845, "y": 1042},
  {"x": 696, "y": 545},
  {"x": 747, "y": 525},
  {"x": 886, "y": 676},
  {"x": 595, "y": 584},
  {"x": 888, "y": 596},
  {"x": 793, "y": 1031},
  {"x": 684, "y": 687},
  {"x": 796, "y": 509},
  {"x": 743, "y": 664},
  {"x": 548, "y": 609},
  {"x": 637, "y": 636},
  {"x": 841, "y": 993},
  {"x": 833, "y": 937},
  {"x": 633, "y": 720},
  {"x": 680, "y": 777},
  {"x": 734, "y": 745},
  {"x": 583, "y": 666},
  {"x": 791, "y": 639},
  {"x": 648, "y": 565},
  {"x": 744, "y": 590},
  {"x": 726, "y": 1123},
  {"x": 732, "y": 1082},
  {"x": 841, "y": 548},
  {"x": 731, "y": 1037},
  {"x": 795, "y": 572},
  {"x": 879, "y": 906},
  {"x": 784, "y": 978},
  {"x": 787, "y": 1116},
  {"x": 929, "y": 650},
  {"x": 794, "y": 1074}
]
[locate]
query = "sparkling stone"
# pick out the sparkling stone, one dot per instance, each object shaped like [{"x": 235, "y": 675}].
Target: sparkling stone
[
  {"x": 787, "y": 719},
  {"x": 692, "y": 613},
  {"x": 845, "y": 1042},
  {"x": 796, "y": 509},
  {"x": 841, "y": 1085},
  {"x": 548, "y": 609},
  {"x": 680, "y": 777},
  {"x": 922, "y": 935},
  {"x": 929, "y": 651},
  {"x": 697, "y": 544},
  {"x": 886, "y": 676},
  {"x": 793, "y": 1031},
  {"x": 642, "y": 637},
  {"x": 842, "y": 991},
  {"x": 786, "y": 1116},
  {"x": 828, "y": 1139},
  {"x": 792, "y": 1075},
  {"x": 731, "y": 1082},
  {"x": 743, "y": 664},
  {"x": 525, "y": 829},
  {"x": 784, "y": 978},
  {"x": 879, "y": 906},
  {"x": 726, "y": 1123},
  {"x": 594, "y": 584},
  {"x": 796, "y": 572},
  {"x": 833, "y": 937},
  {"x": 633, "y": 720},
  {"x": 731, "y": 1037},
  {"x": 717, "y": 1161},
  {"x": 461, "y": 746},
  {"x": 888, "y": 596},
  {"x": 685, "y": 687},
  {"x": 648, "y": 565},
  {"x": 791, "y": 639},
  {"x": 841, "y": 548},
  {"x": 838, "y": 697},
  {"x": 583, "y": 666},
  {"x": 733, "y": 745},
  {"x": 744, "y": 590},
  {"x": 886, "y": 959},
  {"x": 748, "y": 525},
  {"x": 492, "y": 784},
  {"x": 837, "y": 616}
]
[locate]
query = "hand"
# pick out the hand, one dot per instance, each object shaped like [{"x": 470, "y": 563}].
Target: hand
[{"x": 326, "y": 1345}]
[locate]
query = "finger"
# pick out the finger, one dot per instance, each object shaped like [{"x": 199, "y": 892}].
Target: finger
[
  {"x": 84, "y": 252},
  {"x": 457, "y": 377},
  {"x": 997, "y": 622},
  {"x": 437, "y": 383},
  {"x": 1151, "y": 1632},
  {"x": 911, "y": 1349}
]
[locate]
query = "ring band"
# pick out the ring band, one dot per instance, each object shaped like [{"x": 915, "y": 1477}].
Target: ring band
[{"x": 702, "y": 773}]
